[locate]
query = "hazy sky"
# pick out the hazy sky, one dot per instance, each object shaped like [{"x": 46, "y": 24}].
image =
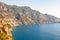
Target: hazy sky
[{"x": 44, "y": 6}]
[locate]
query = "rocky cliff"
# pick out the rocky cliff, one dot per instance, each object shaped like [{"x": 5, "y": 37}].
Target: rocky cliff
[
  {"x": 12, "y": 15},
  {"x": 5, "y": 30},
  {"x": 15, "y": 15}
]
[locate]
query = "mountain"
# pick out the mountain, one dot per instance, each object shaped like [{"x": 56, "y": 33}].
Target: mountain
[
  {"x": 24, "y": 15},
  {"x": 52, "y": 19},
  {"x": 12, "y": 15}
]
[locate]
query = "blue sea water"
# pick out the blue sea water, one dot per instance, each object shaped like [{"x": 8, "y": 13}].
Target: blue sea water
[{"x": 37, "y": 32}]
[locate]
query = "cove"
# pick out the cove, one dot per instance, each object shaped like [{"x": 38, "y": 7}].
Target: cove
[{"x": 37, "y": 32}]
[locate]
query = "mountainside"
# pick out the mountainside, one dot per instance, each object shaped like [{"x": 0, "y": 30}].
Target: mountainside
[
  {"x": 24, "y": 15},
  {"x": 12, "y": 15}
]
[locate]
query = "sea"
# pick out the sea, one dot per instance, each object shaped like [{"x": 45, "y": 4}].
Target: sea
[{"x": 37, "y": 32}]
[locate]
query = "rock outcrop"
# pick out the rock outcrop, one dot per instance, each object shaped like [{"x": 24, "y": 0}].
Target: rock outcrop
[
  {"x": 11, "y": 15},
  {"x": 5, "y": 30},
  {"x": 2, "y": 7}
]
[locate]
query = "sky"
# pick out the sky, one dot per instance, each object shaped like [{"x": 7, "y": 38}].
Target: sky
[{"x": 51, "y": 7}]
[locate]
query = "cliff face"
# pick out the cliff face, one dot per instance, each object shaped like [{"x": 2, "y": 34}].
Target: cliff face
[
  {"x": 33, "y": 15},
  {"x": 11, "y": 15},
  {"x": 5, "y": 30},
  {"x": 15, "y": 15}
]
